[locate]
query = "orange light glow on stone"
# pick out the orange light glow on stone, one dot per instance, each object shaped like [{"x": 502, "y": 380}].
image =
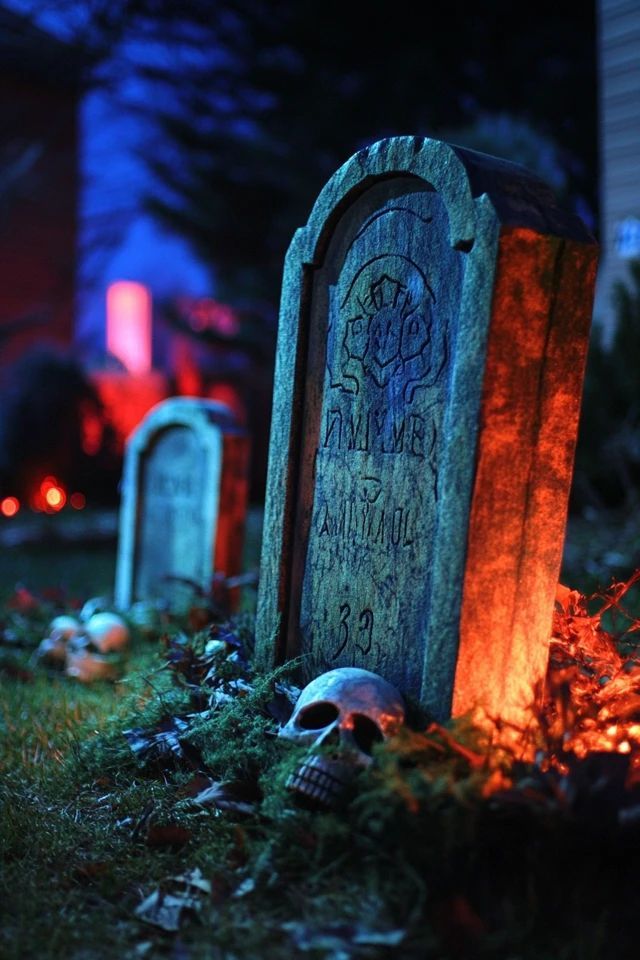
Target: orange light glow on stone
[
  {"x": 529, "y": 420},
  {"x": 129, "y": 325},
  {"x": 9, "y": 506}
]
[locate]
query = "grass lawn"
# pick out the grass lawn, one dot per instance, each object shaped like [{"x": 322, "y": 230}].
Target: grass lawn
[{"x": 182, "y": 840}]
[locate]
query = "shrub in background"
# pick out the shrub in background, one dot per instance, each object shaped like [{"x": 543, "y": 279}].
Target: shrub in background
[
  {"x": 607, "y": 472},
  {"x": 52, "y": 422}
]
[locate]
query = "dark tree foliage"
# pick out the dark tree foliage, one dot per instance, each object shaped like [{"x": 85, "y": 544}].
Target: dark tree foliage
[
  {"x": 608, "y": 452},
  {"x": 45, "y": 404},
  {"x": 255, "y": 104},
  {"x": 266, "y": 100}
]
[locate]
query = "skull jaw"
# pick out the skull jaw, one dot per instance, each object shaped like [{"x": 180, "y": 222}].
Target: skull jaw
[{"x": 322, "y": 782}]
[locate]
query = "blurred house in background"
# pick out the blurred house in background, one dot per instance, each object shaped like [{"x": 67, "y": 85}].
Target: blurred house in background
[
  {"x": 126, "y": 306},
  {"x": 147, "y": 320},
  {"x": 39, "y": 99},
  {"x": 619, "y": 109}
]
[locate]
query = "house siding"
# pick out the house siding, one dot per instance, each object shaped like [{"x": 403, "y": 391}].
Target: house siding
[
  {"x": 619, "y": 111},
  {"x": 39, "y": 96}
]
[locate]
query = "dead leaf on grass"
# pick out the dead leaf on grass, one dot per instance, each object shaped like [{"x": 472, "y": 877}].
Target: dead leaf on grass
[
  {"x": 341, "y": 938},
  {"x": 282, "y": 704},
  {"x": 168, "y": 836},
  {"x": 237, "y": 796},
  {"x": 164, "y": 908},
  {"x": 163, "y": 742},
  {"x": 92, "y": 870}
]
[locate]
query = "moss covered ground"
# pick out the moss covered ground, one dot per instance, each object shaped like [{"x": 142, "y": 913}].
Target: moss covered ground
[{"x": 151, "y": 817}]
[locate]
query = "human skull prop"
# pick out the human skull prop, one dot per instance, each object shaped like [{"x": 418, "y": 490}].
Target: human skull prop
[
  {"x": 108, "y": 632},
  {"x": 94, "y": 605},
  {"x": 348, "y": 710},
  {"x": 53, "y": 649}
]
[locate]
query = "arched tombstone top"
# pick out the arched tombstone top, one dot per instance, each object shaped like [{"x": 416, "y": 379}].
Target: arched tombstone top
[
  {"x": 194, "y": 412},
  {"x": 458, "y": 175}
]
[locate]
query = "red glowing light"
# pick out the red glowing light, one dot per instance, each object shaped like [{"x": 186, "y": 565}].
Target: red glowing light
[
  {"x": 9, "y": 506},
  {"x": 127, "y": 399},
  {"x": 92, "y": 427},
  {"x": 129, "y": 324},
  {"x": 49, "y": 496},
  {"x": 187, "y": 375},
  {"x": 55, "y": 498},
  {"x": 227, "y": 394},
  {"x": 78, "y": 501},
  {"x": 207, "y": 314}
]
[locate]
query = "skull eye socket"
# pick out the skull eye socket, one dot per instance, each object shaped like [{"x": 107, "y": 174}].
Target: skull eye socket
[
  {"x": 317, "y": 716},
  {"x": 366, "y": 733}
]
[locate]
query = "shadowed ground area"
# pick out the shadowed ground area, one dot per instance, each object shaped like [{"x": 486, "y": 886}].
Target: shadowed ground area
[{"x": 151, "y": 816}]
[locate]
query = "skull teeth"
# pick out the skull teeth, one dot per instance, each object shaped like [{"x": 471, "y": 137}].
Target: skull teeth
[{"x": 317, "y": 784}]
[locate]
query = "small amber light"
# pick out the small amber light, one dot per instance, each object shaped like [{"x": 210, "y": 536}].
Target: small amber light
[
  {"x": 9, "y": 506},
  {"x": 78, "y": 501},
  {"x": 55, "y": 498}
]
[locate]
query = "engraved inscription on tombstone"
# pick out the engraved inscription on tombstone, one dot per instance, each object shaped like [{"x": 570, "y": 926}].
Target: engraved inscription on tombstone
[
  {"x": 184, "y": 495},
  {"x": 433, "y": 331},
  {"x": 379, "y": 444}
]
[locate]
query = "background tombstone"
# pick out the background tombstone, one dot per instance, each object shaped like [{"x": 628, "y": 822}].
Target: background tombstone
[
  {"x": 184, "y": 498},
  {"x": 433, "y": 333}
]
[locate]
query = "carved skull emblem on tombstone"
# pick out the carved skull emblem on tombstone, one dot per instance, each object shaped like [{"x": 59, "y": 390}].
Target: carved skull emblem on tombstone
[{"x": 348, "y": 711}]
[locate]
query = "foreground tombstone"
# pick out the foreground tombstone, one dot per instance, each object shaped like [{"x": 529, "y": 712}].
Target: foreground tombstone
[
  {"x": 433, "y": 333},
  {"x": 184, "y": 497}
]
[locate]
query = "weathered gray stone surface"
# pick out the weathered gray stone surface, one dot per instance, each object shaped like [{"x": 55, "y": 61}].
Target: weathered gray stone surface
[
  {"x": 184, "y": 495},
  {"x": 433, "y": 330}
]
